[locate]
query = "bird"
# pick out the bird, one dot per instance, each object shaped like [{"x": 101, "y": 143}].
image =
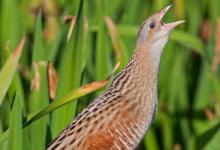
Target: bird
[{"x": 119, "y": 118}]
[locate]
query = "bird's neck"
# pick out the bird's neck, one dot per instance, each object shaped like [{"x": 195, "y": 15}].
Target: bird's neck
[
  {"x": 145, "y": 68},
  {"x": 140, "y": 74},
  {"x": 147, "y": 59}
]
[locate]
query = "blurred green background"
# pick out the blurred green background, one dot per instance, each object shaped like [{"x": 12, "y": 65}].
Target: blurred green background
[{"x": 70, "y": 43}]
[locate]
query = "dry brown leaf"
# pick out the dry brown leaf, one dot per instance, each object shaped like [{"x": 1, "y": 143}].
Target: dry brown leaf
[
  {"x": 9, "y": 68},
  {"x": 114, "y": 37},
  {"x": 68, "y": 19},
  {"x": 117, "y": 65},
  {"x": 206, "y": 30},
  {"x": 217, "y": 37},
  {"x": 216, "y": 60},
  {"x": 53, "y": 80},
  {"x": 72, "y": 20},
  {"x": 35, "y": 83},
  {"x": 209, "y": 114},
  {"x": 99, "y": 84},
  {"x": 51, "y": 29},
  {"x": 177, "y": 146},
  {"x": 94, "y": 85},
  {"x": 50, "y": 12},
  {"x": 25, "y": 72},
  {"x": 19, "y": 48}
]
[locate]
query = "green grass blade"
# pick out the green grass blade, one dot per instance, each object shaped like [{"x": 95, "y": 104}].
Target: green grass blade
[
  {"x": 71, "y": 69},
  {"x": 205, "y": 88},
  {"x": 209, "y": 140},
  {"x": 102, "y": 47},
  {"x": 39, "y": 89},
  {"x": 188, "y": 40},
  {"x": 10, "y": 28},
  {"x": 38, "y": 50},
  {"x": 167, "y": 133},
  {"x": 15, "y": 128},
  {"x": 150, "y": 139},
  {"x": 39, "y": 99},
  {"x": 6, "y": 74},
  {"x": 73, "y": 95},
  {"x": 4, "y": 136}
]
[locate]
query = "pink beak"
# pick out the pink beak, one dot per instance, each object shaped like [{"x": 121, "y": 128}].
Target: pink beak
[{"x": 168, "y": 26}]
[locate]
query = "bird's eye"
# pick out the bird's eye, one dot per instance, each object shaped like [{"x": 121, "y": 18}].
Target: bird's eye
[{"x": 152, "y": 25}]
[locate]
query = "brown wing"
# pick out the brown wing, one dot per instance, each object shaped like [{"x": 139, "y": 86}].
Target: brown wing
[
  {"x": 118, "y": 134},
  {"x": 100, "y": 141}
]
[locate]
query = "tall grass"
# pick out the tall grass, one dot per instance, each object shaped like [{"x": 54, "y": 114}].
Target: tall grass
[{"x": 71, "y": 43}]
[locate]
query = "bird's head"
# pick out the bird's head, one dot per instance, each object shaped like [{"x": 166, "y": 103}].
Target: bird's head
[{"x": 154, "y": 33}]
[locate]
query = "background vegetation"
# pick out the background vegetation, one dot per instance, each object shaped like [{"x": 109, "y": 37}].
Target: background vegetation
[{"x": 69, "y": 43}]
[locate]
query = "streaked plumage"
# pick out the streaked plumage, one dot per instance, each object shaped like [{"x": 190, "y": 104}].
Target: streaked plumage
[{"x": 119, "y": 118}]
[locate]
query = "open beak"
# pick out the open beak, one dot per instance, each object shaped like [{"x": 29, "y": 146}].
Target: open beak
[{"x": 168, "y": 26}]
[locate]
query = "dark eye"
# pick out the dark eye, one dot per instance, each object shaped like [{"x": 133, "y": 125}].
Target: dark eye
[{"x": 152, "y": 25}]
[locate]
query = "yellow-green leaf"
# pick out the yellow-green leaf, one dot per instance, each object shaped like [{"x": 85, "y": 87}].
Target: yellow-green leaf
[
  {"x": 9, "y": 68},
  {"x": 74, "y": 94}
]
